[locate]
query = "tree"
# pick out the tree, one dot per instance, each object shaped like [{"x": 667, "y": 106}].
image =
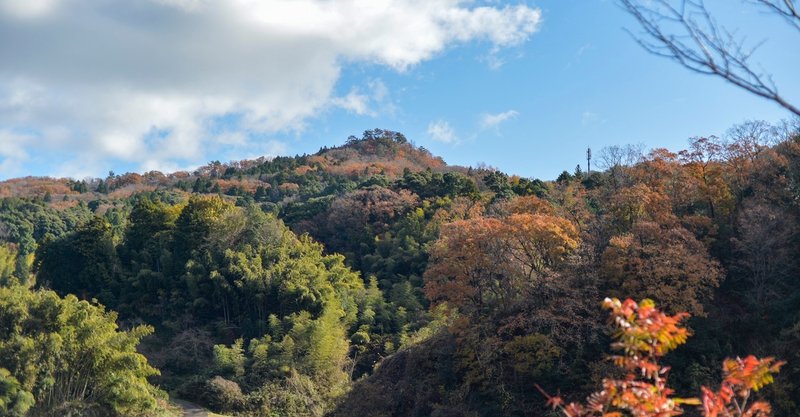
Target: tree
[
  {"x": 664, "y": 263},
  {"x": 686, "y": 32},
  {"x": 150, "y": 225},
  {"x": 14, "y": 400},
  {"x": 498, "y": 183},
  {"x": 483, "y": 263},
  {"x": 69, "y": 357},
  {"x": 466, "y": 264},
  {"x": 703, "y": 161},
  {"x": 356, "y": 218},
  {"x": 637, "y": 203},
  {"x": 764, "y": 253},
  {"x": 8, "y": 264},
  {"x": 84, "y": 262},
  {"x": 102, "y": 187},
  {"x": 643, "y": 336},
  {"x": 194, "y": 224},
  {"x": 538, "y": 243},
  {"x": 618, "y": 160},
  {"x": 529, "y": 205}
]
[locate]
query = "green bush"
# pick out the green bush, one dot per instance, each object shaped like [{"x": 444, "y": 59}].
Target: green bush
[
  {"x": 224, "y": 395},
  {"x": 64, "y": 357}
]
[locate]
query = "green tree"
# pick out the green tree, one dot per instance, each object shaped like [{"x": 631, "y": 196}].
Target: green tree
[
  {"x": 8, "y": 264},
  {"x": 194, "y": 225},
  {"x": 84, "y": 263},
  {"x": 71, "y": 358},
  {"x": 14, "y": 401}
]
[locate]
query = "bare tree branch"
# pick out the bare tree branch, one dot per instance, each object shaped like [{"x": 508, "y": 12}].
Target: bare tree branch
[
  {"x": 686, "y": 32},
  {"x": 788, "y": 9}
]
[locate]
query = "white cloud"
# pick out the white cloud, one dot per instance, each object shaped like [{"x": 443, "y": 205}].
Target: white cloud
[
  {"x": 233, "y": 138},
  {"x": 379, "y": 90},
  {"x": 375, "y": 101},
  {"x": 590, "y": 118},
  {"x": 148, "y": 82},
  {"x": 13, "y": 145},
  {"x": 441, "y": 131},
  {"x": 267, "y": 148},
  {"x": 28, "y": 9},
  {"x": 354, "y": 102},
  {"x": 12, "y": 151},
  {"x": 489, "y": 121}
]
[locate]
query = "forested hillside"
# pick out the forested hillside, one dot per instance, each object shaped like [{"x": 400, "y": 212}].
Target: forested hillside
[{"x": 373, "y": 279}]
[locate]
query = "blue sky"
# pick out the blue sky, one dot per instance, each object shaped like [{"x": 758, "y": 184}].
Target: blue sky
[{"x": 521, "y": 86}]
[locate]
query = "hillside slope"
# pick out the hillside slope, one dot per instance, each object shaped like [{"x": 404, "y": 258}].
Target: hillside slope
[{"x": 373, "y": 279}]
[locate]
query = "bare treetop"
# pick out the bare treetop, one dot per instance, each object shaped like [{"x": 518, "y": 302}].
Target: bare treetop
[{"x": 686, "y": 32}]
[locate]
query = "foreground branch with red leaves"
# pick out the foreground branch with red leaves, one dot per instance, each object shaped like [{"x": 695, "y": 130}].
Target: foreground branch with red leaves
[{"x": 643, "y": 335}]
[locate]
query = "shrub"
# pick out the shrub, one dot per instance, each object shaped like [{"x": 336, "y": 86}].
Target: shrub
[{"x": 643, "y": 335}]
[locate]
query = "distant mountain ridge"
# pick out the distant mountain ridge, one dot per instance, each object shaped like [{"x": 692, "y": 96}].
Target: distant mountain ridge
[{"x": 377, "y": 152}]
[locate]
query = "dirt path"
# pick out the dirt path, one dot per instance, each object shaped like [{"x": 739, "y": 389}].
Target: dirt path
[{"x": 191, "y": 410}]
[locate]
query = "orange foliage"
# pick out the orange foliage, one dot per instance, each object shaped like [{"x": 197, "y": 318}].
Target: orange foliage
[
  {"x": 130, "y": 178},
  {"x": 248, "y": 184},
  {"x": 741, "y": 377},
  {"x": 302, "y": 170},
  {"x": 354, "y": 168},
  {"x": 639, "y": 202},
  {"x": 571, "y": 201},
  {"x": 643, "y": 335},
  {"x": 538, "y": 242},
  {"x": 130, "y": 189},
  {"x": 703, "y": 163},
  {"x": 666, "y": 264},
  {"x": 461, "y": 208},
  {"x": 484, "y": 262},
  {"x": 657, "y": 167},
  {"x": 63, "y": 205},
  {"x": 370, "y": 157},
  {"x": 289, "y": 187},
  {"x": 530, "y": 204},
  {"x": 464, "y": 262},
  {"x": 33, "y": 187},
  {"x": 155, "y": 177},
  {"x": 662, "y": 171},
  {"x": 317, "y": 160}
]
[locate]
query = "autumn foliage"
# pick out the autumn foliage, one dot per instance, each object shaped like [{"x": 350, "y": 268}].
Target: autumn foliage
[
  {"x": 643, "y": 335},
  {"x": 489, "y": 262},
  {"x": 456, "y": 289}
]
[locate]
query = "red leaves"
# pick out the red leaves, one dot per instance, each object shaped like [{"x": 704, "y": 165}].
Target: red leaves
[
  {"x": 715, "y": 403},
  {"x": 644, "y": 331},
  {"x": 758, "y": 409},
  {"x": 750, "y": 373},
  {"x": 741, "y": 377},
  {"x": 553, "y": 401},
  {"x": 644, "y": 334}
]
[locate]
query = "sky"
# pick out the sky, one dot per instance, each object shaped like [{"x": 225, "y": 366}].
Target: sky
[{"x": 92, "y": 86}]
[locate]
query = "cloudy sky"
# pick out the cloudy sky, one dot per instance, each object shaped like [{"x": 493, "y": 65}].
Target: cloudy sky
[{"x": 89, "y": 86}]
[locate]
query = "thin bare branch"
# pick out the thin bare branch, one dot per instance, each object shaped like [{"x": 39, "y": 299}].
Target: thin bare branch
[
  {"x": 686, "y": 32},
  {"x": 788, "y": 9}
]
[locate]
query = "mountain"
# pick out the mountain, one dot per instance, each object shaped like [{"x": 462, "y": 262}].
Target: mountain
[
  {"x": 377, "y": 152},
  {"x": 374, "y": 279}
]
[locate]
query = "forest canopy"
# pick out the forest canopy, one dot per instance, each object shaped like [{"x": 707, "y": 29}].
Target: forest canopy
[{"x": 374, "y": 279}]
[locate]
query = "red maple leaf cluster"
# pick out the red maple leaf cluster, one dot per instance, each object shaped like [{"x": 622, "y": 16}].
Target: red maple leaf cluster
[{"x": 643, "y": 335}]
